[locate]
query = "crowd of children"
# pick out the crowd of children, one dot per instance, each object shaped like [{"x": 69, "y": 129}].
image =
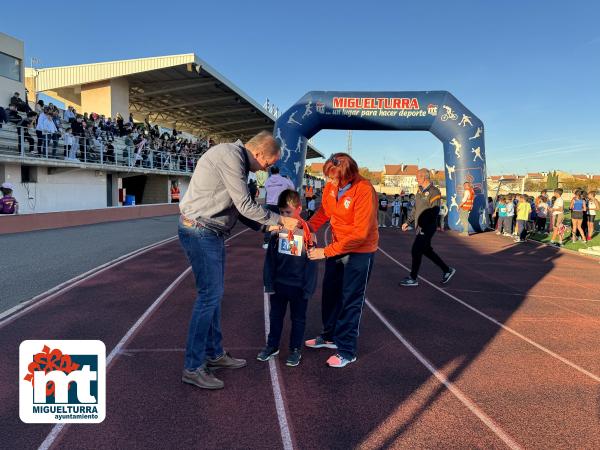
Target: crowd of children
[
  {"x": 515, "y": 215},
  {"x": 400, "y": 208}
]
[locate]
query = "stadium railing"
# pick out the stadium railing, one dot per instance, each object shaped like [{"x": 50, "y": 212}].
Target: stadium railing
[{"x": 13, "y": 143}]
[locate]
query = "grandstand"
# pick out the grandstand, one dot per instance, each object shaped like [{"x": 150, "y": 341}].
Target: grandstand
[{"x": 155, "y": 97}]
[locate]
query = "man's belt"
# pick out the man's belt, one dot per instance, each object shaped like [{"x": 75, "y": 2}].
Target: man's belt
[{"x": 186, "y": 221}]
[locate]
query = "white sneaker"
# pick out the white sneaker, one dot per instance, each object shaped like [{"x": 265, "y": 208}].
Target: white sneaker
[{"x": 498, "y": 233}]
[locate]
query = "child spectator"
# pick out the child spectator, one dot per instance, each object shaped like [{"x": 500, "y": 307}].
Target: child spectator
[
  {"x": 290, "y": 277},
  {"x": 510, "y": 215},
  {"x": 523, "y": 212},
  {"x": 503, "y": 222},
  {"x": 312, "y": 207},
  {"x": 558, "y": 215},
  {"x": 396, "y": 211},
  {"x": 577, "y": 209},
  {"x": 442, "y": 216},
  {"x": 542, "y": 213},
  {"x": 490, "y": 212},
  {"x": 8, "y": 204},
  {"x": 383, "y": 207},
  {"x": 593, "y": 206}
]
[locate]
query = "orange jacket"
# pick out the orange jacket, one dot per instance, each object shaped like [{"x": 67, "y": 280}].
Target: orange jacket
[
  {"x": 174, "y": 193},
  {"x": 353, "y": 218}
]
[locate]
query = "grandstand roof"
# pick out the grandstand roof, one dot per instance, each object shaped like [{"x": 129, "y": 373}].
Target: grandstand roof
[{"x": 178, "y": 88}]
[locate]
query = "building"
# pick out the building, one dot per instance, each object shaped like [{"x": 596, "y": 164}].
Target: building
[
  {"x": 401, "y": 175},
  {"x": 172, "y": 92},
  {"x": 315, "y": 169},
  {"x": 12, "y": 72}
]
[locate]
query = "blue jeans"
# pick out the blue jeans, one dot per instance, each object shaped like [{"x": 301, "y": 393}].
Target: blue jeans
[{"x": 205, "y": 250}]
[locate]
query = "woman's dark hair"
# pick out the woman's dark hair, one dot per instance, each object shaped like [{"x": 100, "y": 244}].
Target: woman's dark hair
[
  {"x": 342, "y": 167},
  {"x": 289, "y": 198},
  {"x": 6, "y": 191}
]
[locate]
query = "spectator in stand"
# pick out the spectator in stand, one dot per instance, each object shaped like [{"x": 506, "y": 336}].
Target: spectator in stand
[
  {"x": 109, "y": 153},
  {"x": 382, "y": 212},
  {"x": 39, "y": 107},
  {"x": 274, "y": 186},
  {"x": 71, "y": 144},
  {"x": 46, "y": 130},
  {"x": 13, "y": 115},
  {"x": 23, "y": 128},
  {"x": 8, "y": 204},
  {"x": 120, "y": 125},
  {"x": 3, "y": 116},
  {"x": 558, "y": 215},
  {"x": 593, "y": 206},
  {"x": 21, "y": 105},
  {"x": 70, "y": 114},
  {"x": 577, "y": 208}
]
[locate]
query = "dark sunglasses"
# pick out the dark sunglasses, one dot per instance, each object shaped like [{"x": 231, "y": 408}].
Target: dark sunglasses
[{"x": 333, "y": 160}]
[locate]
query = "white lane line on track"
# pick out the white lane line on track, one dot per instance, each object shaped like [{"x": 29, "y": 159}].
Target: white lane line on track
[
  {"x": 286, "y": 435},
  {"x": 501, "y": 325},
  {"x": 487, "y": 421},
  {"x": 118, "y": 349},
  {"x": 23, "y": 308}
]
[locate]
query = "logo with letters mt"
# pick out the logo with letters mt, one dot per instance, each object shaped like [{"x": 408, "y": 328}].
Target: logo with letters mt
[{"x": 62, "y": 381}]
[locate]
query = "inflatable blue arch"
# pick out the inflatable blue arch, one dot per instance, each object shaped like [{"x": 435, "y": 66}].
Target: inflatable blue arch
[{"x": 439, "y": 112}]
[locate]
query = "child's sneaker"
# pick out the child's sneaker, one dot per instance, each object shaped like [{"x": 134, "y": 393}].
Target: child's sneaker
[
  {"x": 294, "y": 358},
  {"x": 338, "y": 361},
  {"x": 319, "y": 342},
  {"x": 498, "y": 233},
  {"x": 267, "y": 353}
]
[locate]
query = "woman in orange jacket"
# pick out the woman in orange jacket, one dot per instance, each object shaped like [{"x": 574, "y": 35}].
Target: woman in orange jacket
[{"x": 350, "y": 205}]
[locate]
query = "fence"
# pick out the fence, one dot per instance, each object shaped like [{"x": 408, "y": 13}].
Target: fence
[{"x": 26, "y": 144}]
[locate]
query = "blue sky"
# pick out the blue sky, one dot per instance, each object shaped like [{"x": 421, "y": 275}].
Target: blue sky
[{"x": 529, "y": 69}]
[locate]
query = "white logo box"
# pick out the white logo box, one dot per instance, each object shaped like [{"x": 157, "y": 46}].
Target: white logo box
[{"x": 83, "y": 402}]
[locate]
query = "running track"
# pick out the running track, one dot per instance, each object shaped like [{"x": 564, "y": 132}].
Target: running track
[{"x": 506, "y": 355}]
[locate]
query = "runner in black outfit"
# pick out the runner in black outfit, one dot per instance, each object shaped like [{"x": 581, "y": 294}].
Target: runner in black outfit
[{"x": 424, "y": 216}]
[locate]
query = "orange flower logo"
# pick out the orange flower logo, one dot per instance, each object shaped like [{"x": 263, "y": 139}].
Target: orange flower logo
[{"x": 47, "y": 361}]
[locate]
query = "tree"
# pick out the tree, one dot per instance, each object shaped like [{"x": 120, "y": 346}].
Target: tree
[{"x": 552, "y": 181}]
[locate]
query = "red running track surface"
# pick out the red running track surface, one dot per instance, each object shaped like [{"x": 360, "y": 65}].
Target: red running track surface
[{"x": 533, "y": 383}]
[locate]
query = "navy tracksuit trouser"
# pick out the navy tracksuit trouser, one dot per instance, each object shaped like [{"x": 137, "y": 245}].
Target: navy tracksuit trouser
[{"x": 344, "y": 285}]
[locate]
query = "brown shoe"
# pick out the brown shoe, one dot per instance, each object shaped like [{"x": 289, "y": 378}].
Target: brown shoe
[
  {"x": 225, "y": 362},
  {"x": 202, "y": 378}
]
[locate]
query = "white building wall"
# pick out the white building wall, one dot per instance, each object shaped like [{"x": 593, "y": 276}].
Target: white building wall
[
  {"x": 63, "y": 191},
  {"x": 15, "y": 48}
]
